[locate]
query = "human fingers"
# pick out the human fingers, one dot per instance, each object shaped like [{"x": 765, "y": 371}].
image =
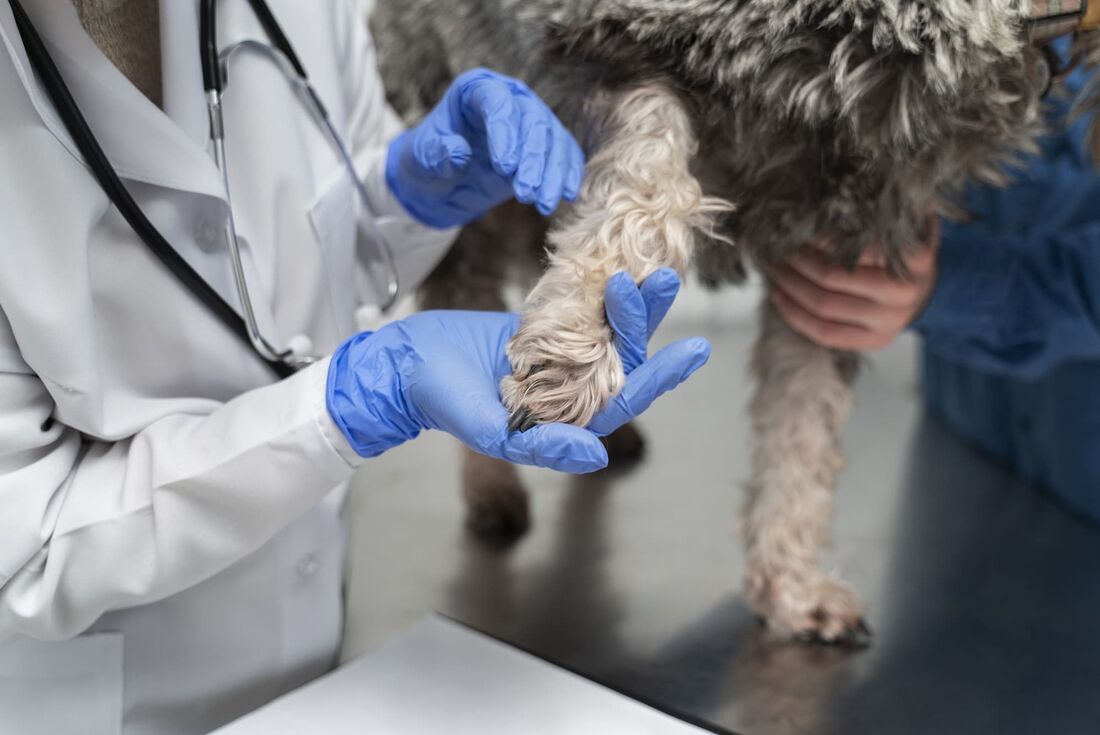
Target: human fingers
[
  {"x": 829, "y": 305},
  {"x": 868, "y": 282},
  {"x": 488, "y": 103},
  {"x": 834, "y": 335},
  {"x": 558, "y": 447},
  {"x": 626, "y": 313},
  {"x": 552, "y": 189},
  {"x": 659, "y": 291},
  {"x": 656, "y": 376},
  {"x": 575, "y": 177}
]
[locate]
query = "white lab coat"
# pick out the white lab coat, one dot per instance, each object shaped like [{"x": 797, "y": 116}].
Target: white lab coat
[{"x": 171, "y": 544}]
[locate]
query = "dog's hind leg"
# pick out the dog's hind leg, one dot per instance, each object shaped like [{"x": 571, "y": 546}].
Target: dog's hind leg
[
  {"x": 803, "y": 395},
  {"x": 639, "y": 210}
]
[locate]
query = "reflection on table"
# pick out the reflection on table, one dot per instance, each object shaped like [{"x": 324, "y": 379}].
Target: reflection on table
[{"x": 984, "y": 595}]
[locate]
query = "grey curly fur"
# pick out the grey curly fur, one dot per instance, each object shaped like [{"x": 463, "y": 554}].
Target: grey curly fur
[
  {"x": 836, "y": 122},
  {"x": 880, "y": 106}
]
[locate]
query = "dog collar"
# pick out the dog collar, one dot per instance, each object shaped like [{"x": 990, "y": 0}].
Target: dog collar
[{"x": 1050, "y": 19}]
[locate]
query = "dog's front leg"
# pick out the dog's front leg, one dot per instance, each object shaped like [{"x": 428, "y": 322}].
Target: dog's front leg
[
  {"x": 803, "y": 395},
  {"x": 639, "y": 210}
]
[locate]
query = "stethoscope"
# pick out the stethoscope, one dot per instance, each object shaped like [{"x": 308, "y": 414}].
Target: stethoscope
[{"x": 283, "y": 361}]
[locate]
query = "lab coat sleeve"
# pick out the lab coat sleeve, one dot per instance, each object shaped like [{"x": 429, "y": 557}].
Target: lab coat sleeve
[
  {"x": 373, "y": 125},
  {"x": 1016, "y": 306},
  {"x": 88, "y": 526}
]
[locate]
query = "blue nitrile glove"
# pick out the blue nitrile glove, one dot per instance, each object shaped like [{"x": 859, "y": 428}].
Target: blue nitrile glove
[
  {"x": 441, "y": 370},
  {"x": 489, "y": 139}
]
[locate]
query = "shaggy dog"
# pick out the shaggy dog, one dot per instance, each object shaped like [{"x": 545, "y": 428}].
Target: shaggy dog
[{"x": 719, "y": 131}]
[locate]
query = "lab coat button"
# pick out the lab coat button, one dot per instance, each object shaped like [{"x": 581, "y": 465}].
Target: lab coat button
[
  {"x": 369, "y": 318},
  {"x": 308, "y": 565},
  {"x": 207, "y": 233}
]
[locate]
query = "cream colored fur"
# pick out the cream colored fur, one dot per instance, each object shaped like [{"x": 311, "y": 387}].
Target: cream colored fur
[
  {"x": 803, "y": 396},
  {"x": 639, "y": 211}
]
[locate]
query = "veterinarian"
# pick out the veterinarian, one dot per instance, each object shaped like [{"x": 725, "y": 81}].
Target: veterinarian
[
  {"x": 172, "y": 479},
  {"x": 1009, "y": 307}
]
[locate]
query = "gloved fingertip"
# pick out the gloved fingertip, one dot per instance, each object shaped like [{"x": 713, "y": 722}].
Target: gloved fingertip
[
  {"x": 572, "y": 189},
  {"x": 666, "y": 278},
  {"x": 701, "y": 349},
  {"x": 659, "y": 291},
  {"x": 594, "y": 460},
  {"x": 620, "y": 281},
  {"x": 670, "y": 367},
  {"x": 523, "y": 192},
  {"x": 449, "y": 156},
  {"x": 587, "y": 468},
  {"x": 699, "y": 345},
  {"x": 532, "y": 171},
  {"x": 503, "y": 149},
  {"x": 549, "y": 201},
  {"x": 575, "y": 176},
  {"x": 621, "y": 291},
  {"x": 566, "y": 448}
]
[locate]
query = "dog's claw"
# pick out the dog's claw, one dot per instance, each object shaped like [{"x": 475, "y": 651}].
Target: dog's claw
[
  {"x": 521, "y": 421},
  {"x": 858, "y": 636},
  {"x": 807, "y": 636}
]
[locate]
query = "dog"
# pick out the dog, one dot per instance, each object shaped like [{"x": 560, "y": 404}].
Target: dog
[{"x": 727, "y": 132}]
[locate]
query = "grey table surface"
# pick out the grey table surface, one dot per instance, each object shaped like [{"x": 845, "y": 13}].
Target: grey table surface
[{"x": 984, "y": 595}]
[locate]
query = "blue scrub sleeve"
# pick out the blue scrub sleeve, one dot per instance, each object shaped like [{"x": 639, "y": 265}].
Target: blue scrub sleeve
[
  {"x": 1018, "y": 291},
  {"x": 1016, "y": 306}
]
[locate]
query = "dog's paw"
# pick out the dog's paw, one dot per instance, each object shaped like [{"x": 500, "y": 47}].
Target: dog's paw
[
  {"x": 813, "y": 608},
  {"x": 558, "y": 375},
  {"x": 625, "y": 446},
  {"x": 497, "y": 507}
]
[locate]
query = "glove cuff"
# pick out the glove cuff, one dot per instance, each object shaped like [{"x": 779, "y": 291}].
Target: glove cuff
[{"x": 364, "y": 394}]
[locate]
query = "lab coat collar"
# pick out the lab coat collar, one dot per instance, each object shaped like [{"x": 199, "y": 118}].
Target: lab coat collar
[{"x": 145, "y": 144}]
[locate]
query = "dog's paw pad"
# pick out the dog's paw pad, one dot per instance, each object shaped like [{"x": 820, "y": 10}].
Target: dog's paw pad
[
  {"x": 815, "y": 609},
  {"x": 498, "y": 513},
  {"x": 852, "y": 634},
  {"x": 566, "y": 379}
]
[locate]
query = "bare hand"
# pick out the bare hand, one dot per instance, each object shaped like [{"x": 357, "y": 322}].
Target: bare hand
[{"x": 861, "y": 310}]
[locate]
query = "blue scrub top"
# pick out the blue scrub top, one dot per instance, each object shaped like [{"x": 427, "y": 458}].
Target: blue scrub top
[{"x": 1012, "y": 331}]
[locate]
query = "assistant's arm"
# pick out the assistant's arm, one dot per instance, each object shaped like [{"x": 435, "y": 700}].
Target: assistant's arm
[
  {"x": 1018, "y": 291},
  {"x": 1016, "y": 305}
]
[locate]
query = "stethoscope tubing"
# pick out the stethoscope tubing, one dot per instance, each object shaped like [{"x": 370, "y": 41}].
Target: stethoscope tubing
[
  {"x": 213, "y": 76},
  {"x": 215, "y": 79},
  {"x": 112, "y": 185},
  {"x": 214, "y": 65}
]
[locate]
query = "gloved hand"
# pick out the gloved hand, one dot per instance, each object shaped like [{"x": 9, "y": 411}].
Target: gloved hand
[
  {"x": 489, "y": 139},
  {"x": 441, "y": 370}
]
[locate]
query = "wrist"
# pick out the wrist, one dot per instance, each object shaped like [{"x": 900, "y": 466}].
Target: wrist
[{"x": 364, "y": 392}]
